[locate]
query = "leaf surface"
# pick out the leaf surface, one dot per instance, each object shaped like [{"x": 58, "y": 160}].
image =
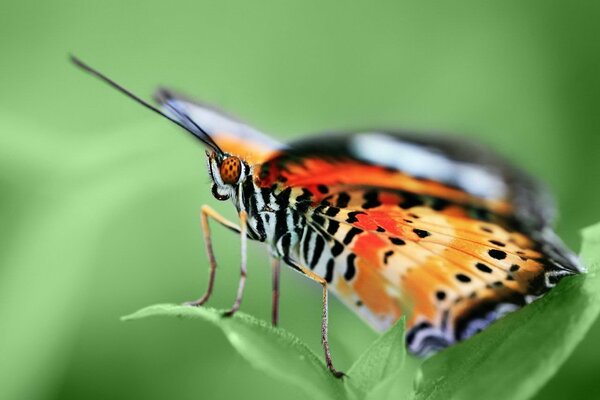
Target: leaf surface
[
  {"x": 272, "y": 350},
  {"x": 383, "y": 359}
]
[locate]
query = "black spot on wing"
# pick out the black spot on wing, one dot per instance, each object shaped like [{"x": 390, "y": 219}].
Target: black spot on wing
[
  {"x": 337, "y": 248},
  {"x": 350, "y": 235},
  {"x": 350, "y": 268},
  {"x": 371, "y": 198},
  {"x": 329, "y": 270},
  {"x": 343, "y": 200},
  {"x": 397, "y": 241},
  {"x": 483, "y": 268},
  {"x": 332, "y": 211},
  {"x": 306, "y": 244},
  {"x": 323, "y": 189},
  {"x": 332, "y": 227},
  {"x": 319, "y": 246},
  {"x": 387, "y": 255},
  {"x": 497, "y": 254},
  {"x": 421, "y": 233},
  {"x": 352, "y": 216}
]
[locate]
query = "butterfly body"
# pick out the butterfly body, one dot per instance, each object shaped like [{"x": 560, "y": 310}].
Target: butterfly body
[{"x": 439, "y": 229}]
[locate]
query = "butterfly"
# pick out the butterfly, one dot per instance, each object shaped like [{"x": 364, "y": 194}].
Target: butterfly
[{"x": 439, "y": 229}]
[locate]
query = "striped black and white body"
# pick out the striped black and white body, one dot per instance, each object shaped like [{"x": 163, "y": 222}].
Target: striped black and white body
[
  {"x": 271, "y": 217},
  {"x": 287, "y": 221}
]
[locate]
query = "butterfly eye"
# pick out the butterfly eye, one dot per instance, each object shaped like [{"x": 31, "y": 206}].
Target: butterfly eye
[{"x": 230, "y": 170}]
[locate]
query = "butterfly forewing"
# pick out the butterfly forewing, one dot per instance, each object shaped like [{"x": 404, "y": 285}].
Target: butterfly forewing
[{"x": 232, "y": 135}]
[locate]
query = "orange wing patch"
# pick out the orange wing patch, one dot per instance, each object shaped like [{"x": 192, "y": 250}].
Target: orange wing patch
[
  {"x": 316, "y": 174},
  {"x": 439, "y": 266},
  {"x": 252, "y": 152}
]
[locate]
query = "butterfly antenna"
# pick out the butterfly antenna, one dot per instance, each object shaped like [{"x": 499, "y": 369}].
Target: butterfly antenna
[{"x": 198, "y": 132}]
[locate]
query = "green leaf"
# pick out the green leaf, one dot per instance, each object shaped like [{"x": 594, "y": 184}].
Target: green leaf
[
  {"x": 397, "y": 386},
  {"x": 272, "y": 350},
  {"x": 383, "y": 358},
  {"x": 517, "y": 355}
]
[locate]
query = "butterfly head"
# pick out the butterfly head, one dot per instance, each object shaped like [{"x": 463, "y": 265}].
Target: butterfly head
[{"x": 227, "y": 172}]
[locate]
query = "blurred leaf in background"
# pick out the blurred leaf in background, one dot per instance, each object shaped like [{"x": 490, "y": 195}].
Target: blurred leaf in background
[{"x": 100, "y": 199}]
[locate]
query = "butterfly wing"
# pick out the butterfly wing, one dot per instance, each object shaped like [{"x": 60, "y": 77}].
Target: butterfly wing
[
  {"x": 444, "y": 231},
  {"x": 232, "y": 135}
]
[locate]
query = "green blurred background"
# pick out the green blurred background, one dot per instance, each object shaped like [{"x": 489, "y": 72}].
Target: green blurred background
[{"x": 100, "y": 199}]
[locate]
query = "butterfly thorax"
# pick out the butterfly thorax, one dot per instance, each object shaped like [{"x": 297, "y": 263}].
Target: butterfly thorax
[{"x": 272, "y": 215}]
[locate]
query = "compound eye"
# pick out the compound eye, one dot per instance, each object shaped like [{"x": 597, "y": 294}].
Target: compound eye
[{"x": 230, "y": 170}]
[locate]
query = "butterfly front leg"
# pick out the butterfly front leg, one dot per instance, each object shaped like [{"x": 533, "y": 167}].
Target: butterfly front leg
[
  {"x": 324, "y": 322},
  {"x": 206, "y": 213}
]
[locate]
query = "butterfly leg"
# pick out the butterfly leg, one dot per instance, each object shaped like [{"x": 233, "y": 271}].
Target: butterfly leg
[
  {"x": 275, "y": 267},
  {"x": 243, "y": 272},
  {"x": 324, "y": 322},
  {"x": 206, "y": 213}
]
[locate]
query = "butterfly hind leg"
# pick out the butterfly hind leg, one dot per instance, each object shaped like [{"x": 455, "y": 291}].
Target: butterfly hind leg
[{"x": 324, "y": 322}]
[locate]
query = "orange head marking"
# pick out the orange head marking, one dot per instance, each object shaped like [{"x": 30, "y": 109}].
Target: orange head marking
[{"x": 230, "y": 170}]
